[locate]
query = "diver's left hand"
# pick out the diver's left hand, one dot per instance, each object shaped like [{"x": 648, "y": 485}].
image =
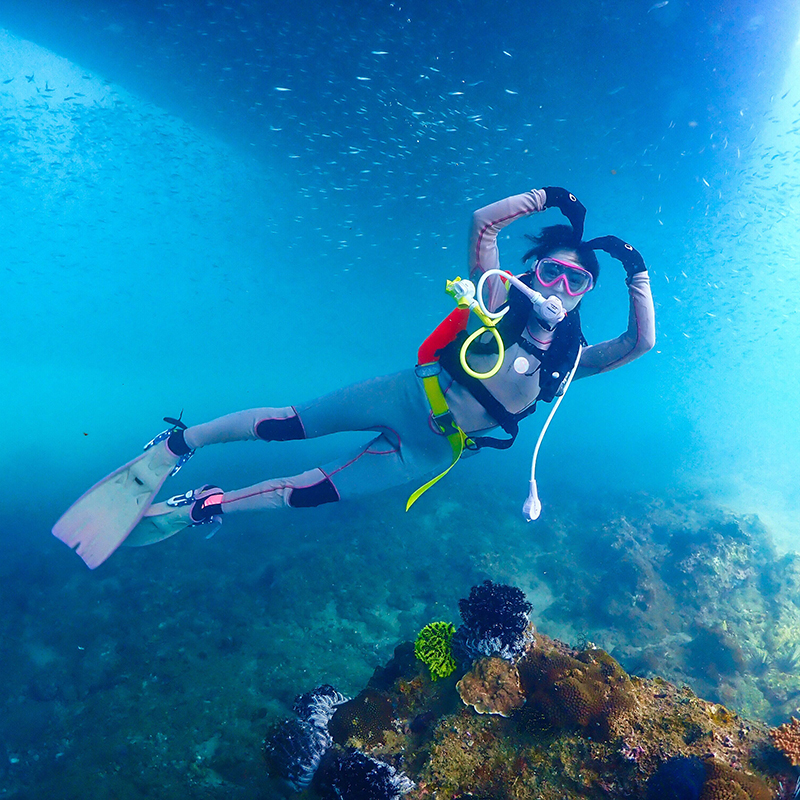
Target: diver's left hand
[{"x": 568, "y": 205}]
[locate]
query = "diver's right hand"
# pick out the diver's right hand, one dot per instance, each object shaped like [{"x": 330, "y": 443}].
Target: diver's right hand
[{"x": 568, "y": 205}]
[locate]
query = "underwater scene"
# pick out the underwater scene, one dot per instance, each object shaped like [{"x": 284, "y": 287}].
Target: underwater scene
[{"x": 272, "y": 227}]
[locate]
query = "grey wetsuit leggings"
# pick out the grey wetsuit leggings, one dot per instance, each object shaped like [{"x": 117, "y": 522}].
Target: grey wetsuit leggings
[{"x": 406, "y": 449}]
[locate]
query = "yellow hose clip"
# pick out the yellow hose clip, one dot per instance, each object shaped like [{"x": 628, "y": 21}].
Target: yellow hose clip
[{"x": 463, "y": 292}]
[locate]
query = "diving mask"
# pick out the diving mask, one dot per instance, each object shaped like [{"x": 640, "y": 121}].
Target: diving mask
[{"x": 576, "y": 280}]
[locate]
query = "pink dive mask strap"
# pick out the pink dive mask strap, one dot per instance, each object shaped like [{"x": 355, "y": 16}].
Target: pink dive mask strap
[{"x": 563, "y": 276}]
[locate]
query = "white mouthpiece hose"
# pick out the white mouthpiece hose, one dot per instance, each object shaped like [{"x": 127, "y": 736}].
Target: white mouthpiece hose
[
  {"x": 549, "y": 309},
  {"x": 532, "y": 507}
]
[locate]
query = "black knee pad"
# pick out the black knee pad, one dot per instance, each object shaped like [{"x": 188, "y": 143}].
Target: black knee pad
[
  {"x": 316, "y": 495},
  {"x": 280, "y": 430}
]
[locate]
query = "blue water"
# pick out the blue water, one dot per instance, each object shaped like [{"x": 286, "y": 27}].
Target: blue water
[{"x": 208, "y": 207}]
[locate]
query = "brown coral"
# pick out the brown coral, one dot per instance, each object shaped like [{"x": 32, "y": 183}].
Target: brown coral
[
  {"x": 492, "y": 686},
  {"x": 787, "y": 739},
  {"x": 363, "y": 721},
  {"x": 721, "y": 790},
  {"x": 587, "y": 691},
  {"x": 723, "y": 782}
]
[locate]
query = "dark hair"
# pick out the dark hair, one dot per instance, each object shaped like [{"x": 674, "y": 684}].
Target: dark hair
[
  {"x": 562, "y": 237},
  {"x": 549, "y": 239}
]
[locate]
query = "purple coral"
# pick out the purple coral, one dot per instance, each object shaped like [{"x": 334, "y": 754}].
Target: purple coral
[
  {"x": 356, "y": 776},
  {"x": 295, "y": 747},
  {"x": 317, "y": 707},
  {"x": 293, "y": 751},
  {"x": 496, "y": 622}
]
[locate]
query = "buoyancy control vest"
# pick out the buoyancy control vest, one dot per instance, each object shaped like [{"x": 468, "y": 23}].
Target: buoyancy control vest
[{"x": 555, "y": 364}]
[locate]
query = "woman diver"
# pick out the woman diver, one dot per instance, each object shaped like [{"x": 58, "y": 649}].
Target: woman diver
[{"x": 525, "y": 345}]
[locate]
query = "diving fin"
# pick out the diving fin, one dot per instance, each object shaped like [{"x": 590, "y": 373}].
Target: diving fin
[
  {"x": 100, "y": 520},
  {"x": 163, "y": 520},
  {"x": 159, "y": 522}
]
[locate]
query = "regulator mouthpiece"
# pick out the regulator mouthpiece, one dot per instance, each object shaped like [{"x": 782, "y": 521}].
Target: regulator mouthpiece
[{"x": 549, "y": 309}]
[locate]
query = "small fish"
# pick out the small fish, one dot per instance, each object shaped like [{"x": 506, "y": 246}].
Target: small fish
[
  {"x": 509, "y": 91},
  {"x": 282, "y": 89},
  {"x": 617, "y": 90},
  {"x": 506, "y": 53},
  {"x": 455, "y": 94},
  {"x": 380, "y": 52},
  {"x": 656, "y": 6},
  {"x": 8, "y": 81},
  {"x": 362, "y": 78}
]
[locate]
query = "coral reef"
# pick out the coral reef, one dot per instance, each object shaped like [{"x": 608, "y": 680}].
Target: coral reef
[
  {"x": 492, "y": 687},
  {"x": 433, "y": 648},
  {"x": 682, "y": 778},
  {"x": 679, "y": 778},
  {"x": 645, "y": 579},
  {"x": 496, "y": 622},
  {"x": 588, "y": 690},
  {"x": 293, "y": 751},
  {"x": 356, "y": 776},
  {"x": 294, "y": 748},
  {"x": 631, "y": 727},
  {"x": 587, "y": 731},
  {"x": 318, "y": 706},
  {"x": 301, "y": 751},
  {"x": 723, "y": 782},
  {"x": 786, "y": 738},
  {"x": 366, "y": 720},
  {"x": 683, "y": 590}
]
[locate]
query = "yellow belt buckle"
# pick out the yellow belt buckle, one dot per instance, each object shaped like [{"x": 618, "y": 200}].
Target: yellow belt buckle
[{"x": 446, "y": 423}]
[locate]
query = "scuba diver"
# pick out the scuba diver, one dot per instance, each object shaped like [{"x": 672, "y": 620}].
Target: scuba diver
[{"x": 512, "y": 341}]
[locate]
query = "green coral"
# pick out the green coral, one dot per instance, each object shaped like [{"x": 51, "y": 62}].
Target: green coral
[{"x": 434, "y": 648}]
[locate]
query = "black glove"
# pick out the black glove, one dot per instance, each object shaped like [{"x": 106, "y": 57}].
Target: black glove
[
  {"x": 568, "y": 205},
  {"x": 628, "y": 255}
]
